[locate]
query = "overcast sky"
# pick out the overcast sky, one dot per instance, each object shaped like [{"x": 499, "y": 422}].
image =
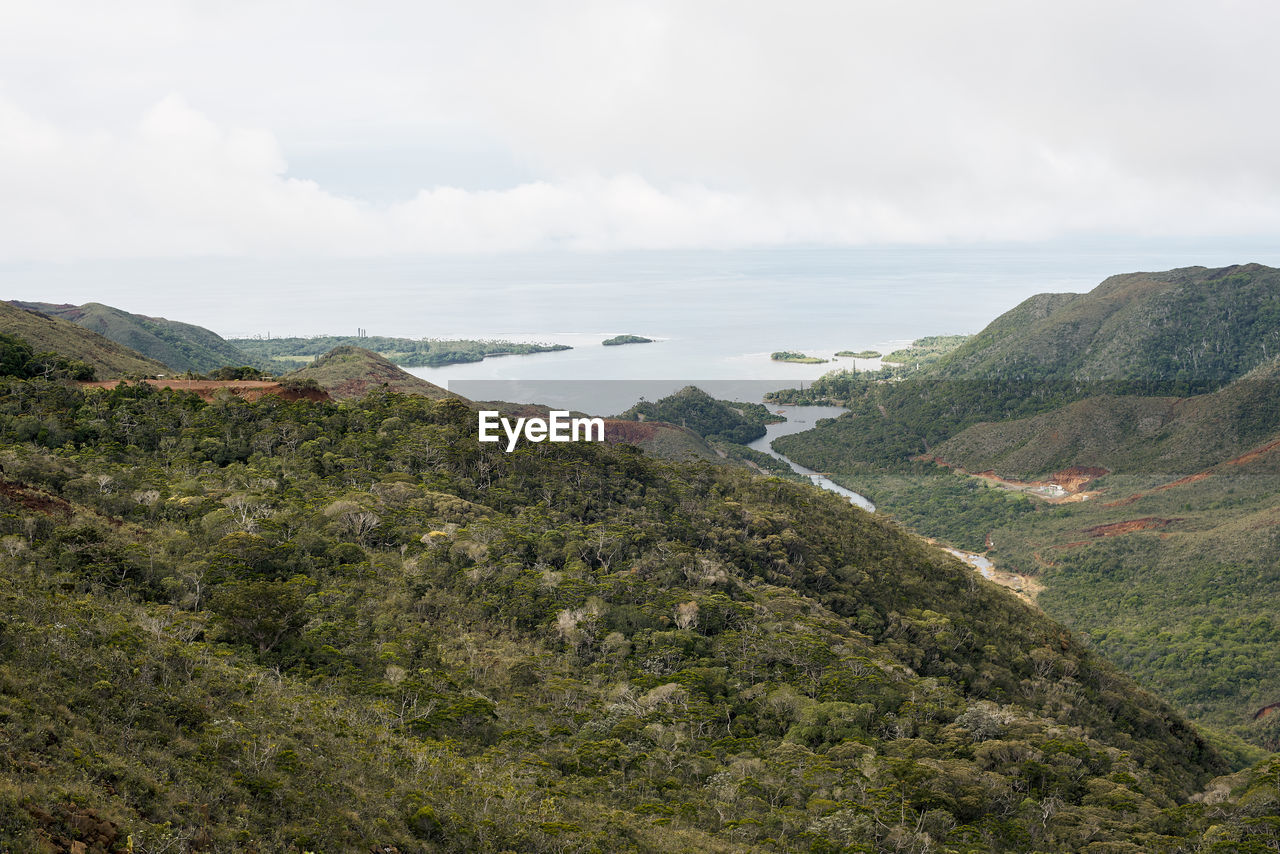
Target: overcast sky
[{"x": 249, "y": 129}]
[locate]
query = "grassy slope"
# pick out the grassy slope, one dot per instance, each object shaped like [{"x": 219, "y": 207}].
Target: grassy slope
[
  {"x": 50, "y": 334},
  {"x": 1192, "y": 324},
  {"x": 351, "y": 372},
  {"x": 181, "y": 346},
  {"x": 638, "y": 656},
  {"x": 1175, "y": 436},
  {"x": 1186, "y": 604},
  {"x": 1180, "y": 590}
]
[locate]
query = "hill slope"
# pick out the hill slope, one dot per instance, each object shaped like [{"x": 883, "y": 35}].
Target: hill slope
[
  {"x": 181, "y": 346},
  {"x": 410, "y": 352},
  {"x": 1190, "y": 329},
  {"x": 109, "y": 359},
  {"x": 1183, "y": 332},
  {"x": 691, "y": 407},
  {"x": 1175, "y": 436},
  {"x": 1181, "y": 530},
  {"x": 358, "y": 626},
  {"x": 351, "y": 372}
]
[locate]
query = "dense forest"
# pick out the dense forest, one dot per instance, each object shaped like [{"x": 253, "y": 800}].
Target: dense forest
[
  {"x": 322, "y": 626},
  {"x": 182, "y": 347},
  {"x": 723, "y": 420},
  {"x": 1164, "y": 386}
]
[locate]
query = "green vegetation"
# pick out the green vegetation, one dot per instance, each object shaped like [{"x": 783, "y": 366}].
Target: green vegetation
[
  {"x": 758, "y": 460},
  {"x": 936, "y": 503},
  {"x": 1132, "y": 433},
  {"x": 409, "y": 352},
  {"x": 61, "y": 339},
  {"x": 846, "y": 388},
  {"x": 1182, "y": 332},
  {"x": 181, "y": 346},
  {"x": 927, "y": 350},
  {"x": 228, "y": 373},
  {"x": 860, "y": 354},
  {"x": 1166, "y": 380},
  {"x": 719, "y": 420},
  {"x": 797, "y": 358},
  {"x": 626, "y": 339},
  {"x": 341, "y": 626},
  {"x": 19, "y": 359},
  {"x": 352, "y": 372},
  {"x": 836, "y": 388}
]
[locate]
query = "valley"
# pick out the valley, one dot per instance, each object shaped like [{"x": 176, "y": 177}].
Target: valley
[
  {"x": 301, "y": 594},
  {"x": 1135, "y": 488}
]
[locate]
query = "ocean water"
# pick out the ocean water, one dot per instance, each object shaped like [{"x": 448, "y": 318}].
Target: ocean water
[{"x": 717, "y": 315}]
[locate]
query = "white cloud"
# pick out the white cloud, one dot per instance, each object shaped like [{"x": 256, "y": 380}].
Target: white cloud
[{"x": 167, "y": 129}]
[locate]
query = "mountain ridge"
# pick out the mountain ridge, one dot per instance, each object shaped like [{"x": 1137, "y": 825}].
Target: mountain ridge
[
  {"x": 352, "y": 624},
  {"x": 180, "y": 346},
  {"x": 109, "y": 359}
]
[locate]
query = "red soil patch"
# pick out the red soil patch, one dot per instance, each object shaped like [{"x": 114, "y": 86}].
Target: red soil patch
[
  {"x": 35, "y": 500},
  {"x": 1266, "y": 711},
  {"x": 1071, "y": 480},
  {"x": 1182, "y": 481},
  {"x": 630, "y": 432},
  {"x": 1127, "y": 527},
  {"x": 1249, "y": 457},
  {"x": 246, "y": 389},
  {"x": 1115, "y": 529},
  {"x": 1074, "y": 478},
  {"x": 1254, "y": 454}
]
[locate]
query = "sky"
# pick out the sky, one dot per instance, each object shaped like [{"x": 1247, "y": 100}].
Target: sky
[{"x": 260, "y": 129}]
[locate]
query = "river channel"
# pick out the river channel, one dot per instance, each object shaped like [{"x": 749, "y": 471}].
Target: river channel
[{"x": 799, "y": 419}]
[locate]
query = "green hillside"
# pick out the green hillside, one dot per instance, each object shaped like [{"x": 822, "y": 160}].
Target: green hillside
[
  {"x": 55, "y": 335},
  {"x": 352, "y": 372},
  {"x": 1169, "y": 558},
  {"x": 181, "y": 346},
  {"x": 723, "y": 420},
  {"x": 351, "y": 626},
  {"x": 409, "y": 352},
  {"x": 1182, "y": 331},
  {"x": 1179, "y": 333},
  {"x": 1170, "y": 435}
]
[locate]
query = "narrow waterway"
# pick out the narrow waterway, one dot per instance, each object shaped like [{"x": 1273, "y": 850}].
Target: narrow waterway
[{"x": 799, "y": 419}]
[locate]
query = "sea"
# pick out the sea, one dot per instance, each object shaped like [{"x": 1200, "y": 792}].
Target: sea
[{"x": 716, "y": 316}]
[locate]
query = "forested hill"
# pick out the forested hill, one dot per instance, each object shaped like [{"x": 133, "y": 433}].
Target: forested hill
[
  {"x": 1128, "y": 434},
  {"x": 1178, "y": 332},
  {"x": 333, "y": 626},
  {"x": 1164, "y": 388},
  {"x": 181, "y": 346},
  {"x": 107, "y": 359},
  {"x": 1174, "y": 334},
  {"x": 729, "y": 421},
  {"x": 352, "y": 372},
  {"x": 409, "y": 352}
]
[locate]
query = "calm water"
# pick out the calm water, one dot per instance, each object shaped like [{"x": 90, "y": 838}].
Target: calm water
[
  {"x": 718, "y": 315},
  {"x": 799, "y": 419}
]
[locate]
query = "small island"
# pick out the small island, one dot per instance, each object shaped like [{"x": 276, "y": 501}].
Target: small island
[
  {"x": 626, "y": 339},
  {"x": 860, "y": 354},
  {"x": 796, "y": 358}
]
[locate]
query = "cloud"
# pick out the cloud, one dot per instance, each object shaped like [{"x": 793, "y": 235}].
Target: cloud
[{"x": 171, "y": 131}]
